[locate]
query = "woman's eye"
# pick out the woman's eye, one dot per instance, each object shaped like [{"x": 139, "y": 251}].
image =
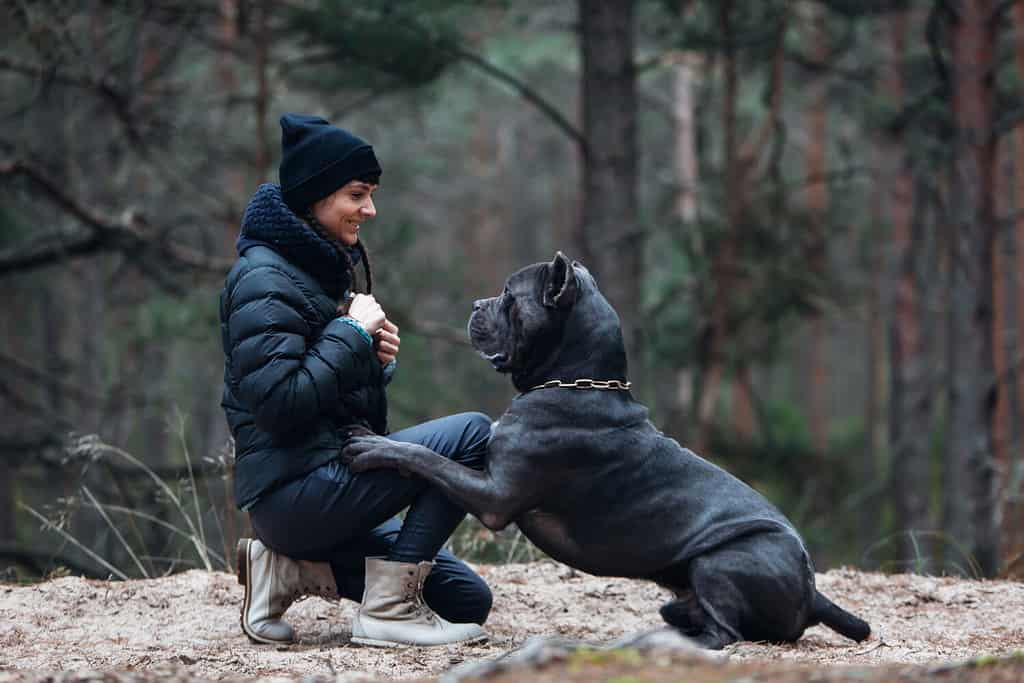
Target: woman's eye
[{"x": 357, "y": 195}]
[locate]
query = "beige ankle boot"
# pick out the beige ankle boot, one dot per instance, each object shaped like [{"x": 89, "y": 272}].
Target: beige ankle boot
[
  {"x": 393, "y": 612},
  {"x": 272, "y": 583}
]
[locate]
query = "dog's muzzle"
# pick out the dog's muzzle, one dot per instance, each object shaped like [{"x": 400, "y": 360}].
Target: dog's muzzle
[{"x": 480, "y": 334}]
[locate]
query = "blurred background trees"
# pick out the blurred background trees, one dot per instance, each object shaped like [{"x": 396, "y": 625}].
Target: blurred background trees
[{"x": 806, "y": 212}]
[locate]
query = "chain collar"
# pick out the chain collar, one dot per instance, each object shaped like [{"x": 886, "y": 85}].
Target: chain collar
[{"x": 609, "y": 384}]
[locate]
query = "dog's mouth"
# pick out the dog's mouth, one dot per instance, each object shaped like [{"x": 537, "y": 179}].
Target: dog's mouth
[
  {"x": 479, "y": 335},
  {"x": 498, "y": 360}
]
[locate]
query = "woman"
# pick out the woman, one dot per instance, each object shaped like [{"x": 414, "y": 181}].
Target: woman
[{"x": 306, "y": 363}]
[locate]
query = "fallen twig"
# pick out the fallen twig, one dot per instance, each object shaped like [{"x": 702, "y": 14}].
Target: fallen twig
[{"x": 872, "y": 648}]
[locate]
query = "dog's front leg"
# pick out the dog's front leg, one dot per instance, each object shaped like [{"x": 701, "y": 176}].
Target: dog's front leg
[{"x": 495, "y": 496}]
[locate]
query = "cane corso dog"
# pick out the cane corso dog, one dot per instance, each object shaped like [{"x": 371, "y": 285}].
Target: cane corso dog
[{"x": 594, "y": 484}]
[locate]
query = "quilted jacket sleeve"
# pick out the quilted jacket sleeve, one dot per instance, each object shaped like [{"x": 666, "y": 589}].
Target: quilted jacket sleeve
[{"x": 281, "y": 380}]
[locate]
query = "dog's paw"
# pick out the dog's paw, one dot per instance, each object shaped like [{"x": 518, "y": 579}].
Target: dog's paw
[
  {"x": 364, "y": 463},
  {"x": 355, "y": 430},
  {"x": 364, "y": 453}
]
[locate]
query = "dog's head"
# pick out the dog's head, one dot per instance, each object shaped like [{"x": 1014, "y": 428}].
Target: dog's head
[{"x": 549, "y": 322}]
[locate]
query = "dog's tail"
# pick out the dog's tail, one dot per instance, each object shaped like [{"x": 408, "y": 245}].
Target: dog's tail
[{"x": 836, "y": 618}]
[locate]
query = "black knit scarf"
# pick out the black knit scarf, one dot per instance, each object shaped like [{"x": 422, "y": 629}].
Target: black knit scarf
[{"x": 269, "y": 222}]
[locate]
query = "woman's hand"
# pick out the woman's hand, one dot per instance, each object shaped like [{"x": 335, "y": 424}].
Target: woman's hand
[
  {"x": 387, "y": 342},
  {"x": 365, "y": 310}
]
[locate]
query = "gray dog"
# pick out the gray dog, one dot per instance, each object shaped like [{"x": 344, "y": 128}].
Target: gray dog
[{"x": 577, "y": 465}]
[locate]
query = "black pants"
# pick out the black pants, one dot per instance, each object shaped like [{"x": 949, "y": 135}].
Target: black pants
[{"x": 341, "y": 517}]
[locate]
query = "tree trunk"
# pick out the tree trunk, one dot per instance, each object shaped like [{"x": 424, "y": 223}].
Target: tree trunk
[
  {"x": 724, "y": 259},
  {"x": 685, "y": 75},
  {"x": 910, "y": 405},
  {"x": 1001, "y": 346},
  {"x": 483, "y": 267},
  {"x": 1012, "y": 528},
  {"x": 672, "y": 392},
  {"x": 612, "y": 241},
  {"x": 224, "y": 68},
  {"x": 744, "y": 418},
  {"x": 867, "y": 511},
  {"x": 262, "y": 44},
  {"x": 7, "y": 501},
  {"x": 817, "y": 205},
  {"x": 8, "y": 426},
  {"x": 871, "y": 468},
  {"x": 972, "y": 390},
  {"x": 743, "y": 179}
]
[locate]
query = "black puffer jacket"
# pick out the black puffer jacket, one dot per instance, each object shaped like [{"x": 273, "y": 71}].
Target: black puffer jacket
[{"x": 294, "y": 374}]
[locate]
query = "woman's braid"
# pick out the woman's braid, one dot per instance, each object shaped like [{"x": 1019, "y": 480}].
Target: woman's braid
[{"x": 366, "y": 266}]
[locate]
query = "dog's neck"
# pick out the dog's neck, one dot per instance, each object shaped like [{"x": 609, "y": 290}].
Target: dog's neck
[{"x": 591, "y": 347}]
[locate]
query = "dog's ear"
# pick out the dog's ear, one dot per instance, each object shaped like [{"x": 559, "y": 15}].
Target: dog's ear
[{"x": 561, "y": 286}]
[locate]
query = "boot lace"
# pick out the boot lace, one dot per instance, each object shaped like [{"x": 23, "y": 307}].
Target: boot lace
[
  {"x": 413, "y": 593},
  {"x": 307, "y": 591}
]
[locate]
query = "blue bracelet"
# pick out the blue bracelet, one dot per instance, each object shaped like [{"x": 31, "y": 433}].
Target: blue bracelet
[{"x": 359, "y": 328}]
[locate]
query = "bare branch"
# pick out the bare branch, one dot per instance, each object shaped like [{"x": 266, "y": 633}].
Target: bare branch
[
  {"x": 128, "y": 234},
  {"x": 752, "y": 149},
  {"x": 528, "y": 94},
  {"x": 50, "y": 73},
  {"x": 23, "y": 370},
  {"x": 106, "y": 88}
]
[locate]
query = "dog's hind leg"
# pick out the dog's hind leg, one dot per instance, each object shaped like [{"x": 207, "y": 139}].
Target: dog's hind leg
[
  {"x": 694, "y": 621},
  {"x": 685, "y": 614},
  {"x": 714, "y": 637},
  {"x": 757, "y": 587}
]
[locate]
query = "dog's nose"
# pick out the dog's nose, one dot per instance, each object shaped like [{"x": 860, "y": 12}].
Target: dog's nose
[{"x": 478, "y": 304}]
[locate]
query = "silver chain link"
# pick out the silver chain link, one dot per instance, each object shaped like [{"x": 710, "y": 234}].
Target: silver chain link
[{"x": 608, "y": 384}]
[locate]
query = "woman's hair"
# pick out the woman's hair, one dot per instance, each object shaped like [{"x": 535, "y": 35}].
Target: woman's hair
[
  {"x": 365, "y": 259},
  {"x": 372, "y": 179}
]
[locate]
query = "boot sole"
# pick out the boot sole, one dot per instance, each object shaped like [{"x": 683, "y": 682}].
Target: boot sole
[
  {"x": 242, "y": 560},
  {"x": 370, "y": 642}
]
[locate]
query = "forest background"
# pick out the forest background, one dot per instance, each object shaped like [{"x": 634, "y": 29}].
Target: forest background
[{"x": 809, "y": 214}]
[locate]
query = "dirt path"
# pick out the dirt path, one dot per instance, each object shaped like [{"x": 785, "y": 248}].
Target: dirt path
[{"x": 187, "y": 624}]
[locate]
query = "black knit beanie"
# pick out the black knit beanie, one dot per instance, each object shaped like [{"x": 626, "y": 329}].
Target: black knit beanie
[{"x": 318, "y": 158}]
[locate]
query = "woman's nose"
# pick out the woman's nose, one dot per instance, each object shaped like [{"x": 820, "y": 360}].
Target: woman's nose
[{"x": 369, "y": 210}]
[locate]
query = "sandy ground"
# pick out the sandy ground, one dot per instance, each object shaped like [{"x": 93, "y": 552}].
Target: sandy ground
[{"x": 187, "y": 625}]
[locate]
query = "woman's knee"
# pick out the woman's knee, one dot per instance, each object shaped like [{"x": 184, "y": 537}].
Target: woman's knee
[
  {"x": 478, "y": 428},
  {"x": 474, "y": 603},
  {"x": 458, "y": 594},
  {"x": 476, "y": 433}
]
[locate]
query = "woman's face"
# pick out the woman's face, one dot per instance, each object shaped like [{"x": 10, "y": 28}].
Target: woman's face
[{"x": 343, "y": 211}]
